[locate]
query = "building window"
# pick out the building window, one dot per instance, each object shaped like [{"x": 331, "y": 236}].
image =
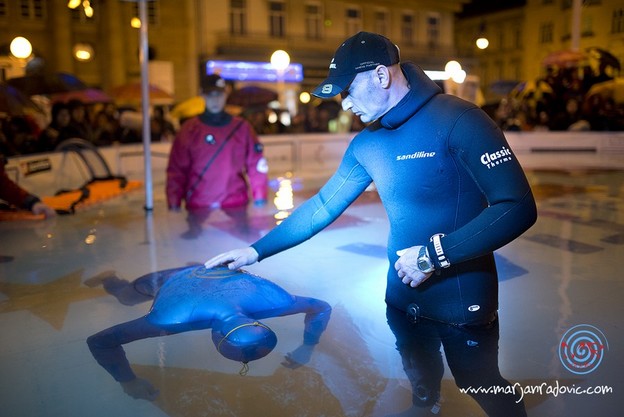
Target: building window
[
  {"x": 501, "y": 39},
  {"x": 566, "y": 4},
  {"x": 517, "y": 35},
  {"x": 277, "y": 19},
  {"x": 587, "y": 26},
  {"x": 433, "y": 29},
  {"x": 32, "y": 9},
  {"x": 483, "y": 72},
  {"x": 238, "y": 17},
  {"x": 516, "y": 69},
  {"x": 617, "y": 22},
  {"x": 353, "y": 20},
  {"x": 314, "y": 21},
  {"x": 153, "y": 11},
  {"x": 498, "y": 70},
  {"x": 381, "y": 22},
  {"x": 407, "y": 28},
  {"x": 546, "y": 33}
]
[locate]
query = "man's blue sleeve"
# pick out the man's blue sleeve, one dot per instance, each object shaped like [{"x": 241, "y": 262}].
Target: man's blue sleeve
[
  {"x": 482, "y": 150},
  {"x": 349, "y": 181}
]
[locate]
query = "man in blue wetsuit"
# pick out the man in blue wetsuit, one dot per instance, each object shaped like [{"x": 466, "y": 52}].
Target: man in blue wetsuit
[
  {"x": 231, "y": 303},
  {"x": 452, "y": 188}
]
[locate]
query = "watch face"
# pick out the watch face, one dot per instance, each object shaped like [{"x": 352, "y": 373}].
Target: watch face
[
  {"x": 425, "y": 265},
  {"x": 423, "y": 262}
]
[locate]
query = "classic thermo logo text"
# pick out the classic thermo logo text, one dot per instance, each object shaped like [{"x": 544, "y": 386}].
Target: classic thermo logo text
[{"x": 496, "y": 158}]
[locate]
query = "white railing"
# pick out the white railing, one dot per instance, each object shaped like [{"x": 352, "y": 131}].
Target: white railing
[{"x": 311, "y": 156}]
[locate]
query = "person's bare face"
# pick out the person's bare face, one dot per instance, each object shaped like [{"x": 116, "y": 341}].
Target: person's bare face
[
  {"x": 63, "y": 117},
  {"x": 215, "y": 101},
  {"x": 363, "y": 99}
]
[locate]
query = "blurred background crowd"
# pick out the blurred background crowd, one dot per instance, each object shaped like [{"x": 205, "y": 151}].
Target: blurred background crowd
[
  {"x": 577, "y": 97},
  {"x": 40, "y": 122},
  {"x": 583, "y": 95}
]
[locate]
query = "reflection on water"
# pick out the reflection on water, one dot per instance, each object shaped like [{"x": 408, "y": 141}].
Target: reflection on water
[
  {"x": 242, "y": 223},
  {"x": 471, "y": 354},
  {"x": 284, "y": 200},
  {"x": 559, "y": 274}
]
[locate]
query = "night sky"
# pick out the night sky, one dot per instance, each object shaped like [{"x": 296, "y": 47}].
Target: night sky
[{"x": 479, "y": 7}]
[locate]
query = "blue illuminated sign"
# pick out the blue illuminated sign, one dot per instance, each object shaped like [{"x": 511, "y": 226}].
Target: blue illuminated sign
[{"x": 253, "y": 71}]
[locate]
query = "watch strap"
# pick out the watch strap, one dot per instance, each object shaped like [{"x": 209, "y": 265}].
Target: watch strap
[{"x": 440, "y": 256}]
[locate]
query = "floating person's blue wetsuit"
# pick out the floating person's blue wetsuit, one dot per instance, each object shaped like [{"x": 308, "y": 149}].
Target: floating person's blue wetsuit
[
  {"x": 231, "y": 303},
  {"x": 441, "y": 166}
]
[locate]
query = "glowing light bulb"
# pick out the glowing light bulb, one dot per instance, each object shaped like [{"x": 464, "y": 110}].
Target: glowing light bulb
[
  {"x": 482, "y": 43},
  {"x": 20, "y": 47}
]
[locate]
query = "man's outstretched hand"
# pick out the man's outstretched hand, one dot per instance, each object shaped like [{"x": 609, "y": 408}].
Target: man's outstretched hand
[{"x": 234, "y": 259}]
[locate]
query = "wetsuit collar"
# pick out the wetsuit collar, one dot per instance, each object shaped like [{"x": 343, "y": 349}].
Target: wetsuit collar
[
  {"x": 422, "y": 89},
  {"x": 215, "y": 119}
]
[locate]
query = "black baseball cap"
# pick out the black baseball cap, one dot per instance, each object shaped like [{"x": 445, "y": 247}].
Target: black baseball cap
[
  {"x": 212, "y": 82},
  {"x": 360, "y": 53}
]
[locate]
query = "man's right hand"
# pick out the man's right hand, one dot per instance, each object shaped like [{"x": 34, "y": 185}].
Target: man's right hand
[{"x": 234, "y": 259}]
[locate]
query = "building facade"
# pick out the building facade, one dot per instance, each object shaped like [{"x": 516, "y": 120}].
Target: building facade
[
  {"x": 549, "y": 27},
  {"x": 186, "y": 33},
  {"x": 502, "y": 59},
  {"x": 520, "y": 38}
]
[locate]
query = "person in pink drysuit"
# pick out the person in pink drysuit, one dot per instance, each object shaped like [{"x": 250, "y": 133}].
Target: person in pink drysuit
[{"x": 216, "y": 162}]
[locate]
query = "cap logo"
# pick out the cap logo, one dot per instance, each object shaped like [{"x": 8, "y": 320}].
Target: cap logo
[
  {"x": 327, "y": 89},
  {"x": 332, "y": 65}
]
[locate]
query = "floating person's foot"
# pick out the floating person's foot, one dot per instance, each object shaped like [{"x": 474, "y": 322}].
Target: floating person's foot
[
  {"x": 123, "y": 290},
  {"x": 99, "y": 279}
]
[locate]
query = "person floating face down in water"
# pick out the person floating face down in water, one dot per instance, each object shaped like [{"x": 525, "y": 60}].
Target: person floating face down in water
[{"x": 231, "y": 303}]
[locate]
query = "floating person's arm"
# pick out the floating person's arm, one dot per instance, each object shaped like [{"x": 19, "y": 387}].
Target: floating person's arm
[
  {"x": 106, "y": 348},
  {"x": 317, "y": 315}
]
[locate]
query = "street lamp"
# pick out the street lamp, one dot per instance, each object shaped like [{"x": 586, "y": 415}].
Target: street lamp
[
  {"x": 455, "y": 72},
  {"x": 20, "y": 47},
  {"x": 482, "y": 43},
  {"x": 280, "y": 60}
]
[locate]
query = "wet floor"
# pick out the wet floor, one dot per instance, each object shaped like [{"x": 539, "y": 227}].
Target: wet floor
[{"x": 558, "y": 340}]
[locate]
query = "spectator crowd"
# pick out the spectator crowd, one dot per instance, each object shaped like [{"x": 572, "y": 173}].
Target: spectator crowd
[
  {"x": 101, "y": 124},
  {"x": 562, "y": 100},
  {"x": 557, "y": 102}
]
